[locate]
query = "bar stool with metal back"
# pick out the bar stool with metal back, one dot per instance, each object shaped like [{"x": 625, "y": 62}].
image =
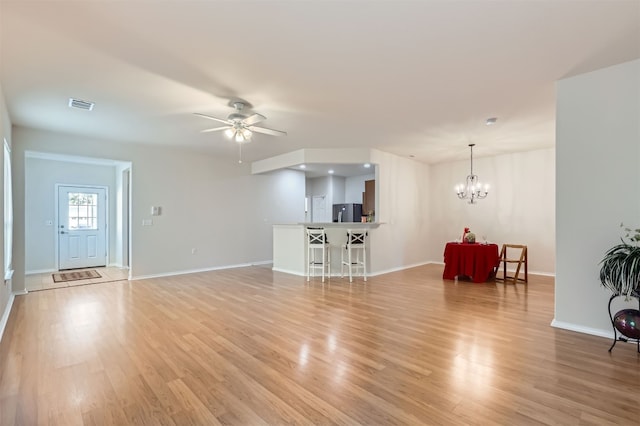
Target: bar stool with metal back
[
  {"x": 354, "y": 253},
  {"x": 318, "y": 252}
]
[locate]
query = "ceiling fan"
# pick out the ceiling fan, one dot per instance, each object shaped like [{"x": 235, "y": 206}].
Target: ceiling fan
[{"x": 240, "y": 126}]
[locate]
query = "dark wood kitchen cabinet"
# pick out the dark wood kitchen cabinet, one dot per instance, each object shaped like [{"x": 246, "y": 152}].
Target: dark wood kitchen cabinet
[{"x": 369, "y": 197}]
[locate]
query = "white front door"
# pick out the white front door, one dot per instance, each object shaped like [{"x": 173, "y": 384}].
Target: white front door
[{"x": 82, "y": 227}]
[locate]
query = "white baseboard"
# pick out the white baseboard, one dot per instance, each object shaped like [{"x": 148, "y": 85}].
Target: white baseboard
[
  {"x": 287, "y": 271},
  {"x": 582, "y": 329},
  {"x": 5, "y": 315},
  {"x": 195, "y": 271},
  {"x": 40, "y": 271},
  {"x": 370, "y": 274},
  {"x": 399, "y": 268},
  {"x": 544, "y": 274}
]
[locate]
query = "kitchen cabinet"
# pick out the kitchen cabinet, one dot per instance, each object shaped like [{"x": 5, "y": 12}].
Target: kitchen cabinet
[{"x": 369, "y": 197}]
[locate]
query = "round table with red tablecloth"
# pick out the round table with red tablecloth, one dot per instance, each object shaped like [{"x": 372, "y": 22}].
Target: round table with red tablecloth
[{"x": 477, "y": 261}]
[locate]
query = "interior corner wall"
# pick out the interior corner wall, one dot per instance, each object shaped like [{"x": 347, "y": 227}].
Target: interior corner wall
[
  {"x": 598, "y": 152},
  {"x": 520, "y": 207},
  {"x": 404, "y": 212}
]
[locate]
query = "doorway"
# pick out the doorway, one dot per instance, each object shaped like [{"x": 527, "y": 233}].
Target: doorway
[
  {"x": 82, "y": 226},
  {"x": 319, "y": 209}
]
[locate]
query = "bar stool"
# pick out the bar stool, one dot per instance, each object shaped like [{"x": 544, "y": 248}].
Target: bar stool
[
  {"x": 318, "y": 253},
  {"x": 354, "y": 253}
]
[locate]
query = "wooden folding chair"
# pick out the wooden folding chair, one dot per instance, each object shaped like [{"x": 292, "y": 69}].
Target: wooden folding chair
[{"x": 520, "y": 259}]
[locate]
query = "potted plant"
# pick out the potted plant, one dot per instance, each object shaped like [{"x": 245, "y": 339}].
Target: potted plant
[
  {"x": 620, "y": 273},
  {"x": 620, "y": 270}
]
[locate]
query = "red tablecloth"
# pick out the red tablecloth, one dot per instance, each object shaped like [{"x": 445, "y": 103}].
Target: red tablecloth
[{"x": 472, "y": 260}]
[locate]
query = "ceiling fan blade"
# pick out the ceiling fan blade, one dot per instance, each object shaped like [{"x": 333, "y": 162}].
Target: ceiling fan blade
[
  {"x": 253, "y": 119},
  {"x": 215, "y": 129},
  {"x": 267, "y": 131},
  {"x": 220, "y": 120}
]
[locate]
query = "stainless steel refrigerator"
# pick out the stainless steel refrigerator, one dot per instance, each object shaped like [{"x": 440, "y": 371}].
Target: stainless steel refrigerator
[{"x": 349, "y": 212}]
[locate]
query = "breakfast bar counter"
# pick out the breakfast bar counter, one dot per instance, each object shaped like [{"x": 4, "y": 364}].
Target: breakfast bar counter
[{"x": 290, "y": 244}]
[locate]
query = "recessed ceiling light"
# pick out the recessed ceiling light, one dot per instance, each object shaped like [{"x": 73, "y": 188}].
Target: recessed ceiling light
[
  {"x": 302, "y": 166},
  {"x": 491, "y": 120},
  {"x": 331, "y": 172},
  {"x": 367, "y": 165}
]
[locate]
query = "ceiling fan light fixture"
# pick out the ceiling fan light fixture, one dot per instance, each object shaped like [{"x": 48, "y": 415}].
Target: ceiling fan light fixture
[{"x": 240, "y": 127}]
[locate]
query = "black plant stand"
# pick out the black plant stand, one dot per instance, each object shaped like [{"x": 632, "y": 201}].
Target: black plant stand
[{"x": 622, "y": 337}]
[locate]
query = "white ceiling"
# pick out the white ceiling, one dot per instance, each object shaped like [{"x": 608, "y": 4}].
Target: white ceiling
[
  {"x": 342, "y": 170},
  {"x": 415, "y": 78}
]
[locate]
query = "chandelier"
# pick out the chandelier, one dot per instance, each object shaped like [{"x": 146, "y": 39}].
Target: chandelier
[{"x": 473, "y": 189}]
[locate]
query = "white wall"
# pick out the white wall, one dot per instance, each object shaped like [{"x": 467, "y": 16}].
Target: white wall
[
  {"x": 354, "y": 187},
  {"x": 520, "y": 207},
  {"x": 337, "y": 191},
  {"x": 209, "y": 204},
  {"x": 404, "y": 213},
  {"x": 598, "y": 186},
  {"x": 6, "y": 296},
  {"x": 41, "y": 177},
  {"x": 121, "y": 240}
]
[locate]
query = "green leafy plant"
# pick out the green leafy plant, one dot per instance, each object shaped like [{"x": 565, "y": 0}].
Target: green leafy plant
[{"x": 620, "y": 270}]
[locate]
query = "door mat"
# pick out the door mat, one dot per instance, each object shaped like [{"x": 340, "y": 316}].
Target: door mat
[{"x": 75, "y": 276}]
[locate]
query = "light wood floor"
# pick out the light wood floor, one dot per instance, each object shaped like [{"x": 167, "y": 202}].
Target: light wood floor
[
  {"x": 248, "y": 347},
  {"x": 44, "y": 281}
]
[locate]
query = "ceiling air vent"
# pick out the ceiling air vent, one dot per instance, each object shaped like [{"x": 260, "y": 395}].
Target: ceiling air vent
[{"x": 80, "y": 104}]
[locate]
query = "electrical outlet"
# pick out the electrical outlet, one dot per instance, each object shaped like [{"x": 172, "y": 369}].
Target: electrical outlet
[{"x": 194, "y": 251}]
